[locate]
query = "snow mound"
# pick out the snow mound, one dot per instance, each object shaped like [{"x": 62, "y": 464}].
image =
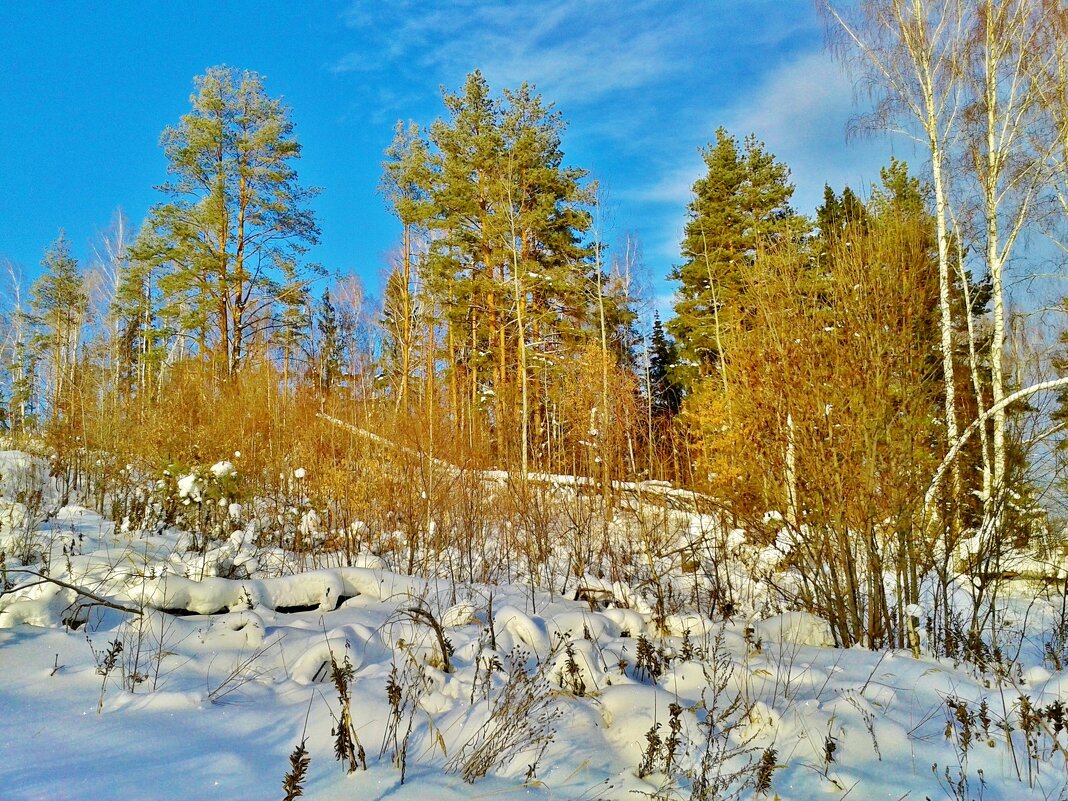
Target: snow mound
[{"x": 795, "y": 628}]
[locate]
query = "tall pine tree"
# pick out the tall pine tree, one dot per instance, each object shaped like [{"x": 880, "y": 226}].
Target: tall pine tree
[
  {"x": 406, "y": 185},
  {"x": 59, "y": 304},
  {"x": 230, "y": 238},
  {"x": 739, "y": 207},
  {"x": 509, "y": 284}
]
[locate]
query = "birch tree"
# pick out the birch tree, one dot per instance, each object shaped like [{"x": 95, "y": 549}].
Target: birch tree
[
  {"x": 1050, "y": 78},
  {"x": 20, "y": 358},
  {"x": 1006, "y": 165},
  {"x": 978, "y": 82}
]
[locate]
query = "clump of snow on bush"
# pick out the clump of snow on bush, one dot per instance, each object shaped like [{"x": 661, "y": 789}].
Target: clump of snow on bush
[
  {"x": 190, "y": 489},
  {"x": 309, "y": 524},
  {"x": 223, "y": 470}
]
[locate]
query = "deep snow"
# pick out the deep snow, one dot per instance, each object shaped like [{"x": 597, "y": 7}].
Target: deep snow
[{"x": 209, "y": 703}]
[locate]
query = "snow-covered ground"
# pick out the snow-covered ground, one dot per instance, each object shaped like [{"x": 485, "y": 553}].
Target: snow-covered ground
[{"x": 202, "y": 686}]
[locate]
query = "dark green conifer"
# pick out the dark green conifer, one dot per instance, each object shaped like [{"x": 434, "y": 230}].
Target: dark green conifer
[{"x": 739, "y": 207}]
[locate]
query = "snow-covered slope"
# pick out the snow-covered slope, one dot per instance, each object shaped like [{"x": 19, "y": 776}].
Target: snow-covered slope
[{"x": 204, "y": 685}]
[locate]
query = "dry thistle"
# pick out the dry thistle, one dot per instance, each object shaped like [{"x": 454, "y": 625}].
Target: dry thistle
[
  {"x": 651, "y": 756},
  {"x": 347, "y": 747},
  {"x": 765, "y": 768},
  {"x": 293, "y": 781}
]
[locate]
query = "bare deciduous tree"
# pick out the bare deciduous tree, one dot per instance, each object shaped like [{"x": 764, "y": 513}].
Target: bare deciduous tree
[{"x": 1003, "y": 47}]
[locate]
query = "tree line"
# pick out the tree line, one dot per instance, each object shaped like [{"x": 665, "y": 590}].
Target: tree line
[{"x": 837, "y": 385}]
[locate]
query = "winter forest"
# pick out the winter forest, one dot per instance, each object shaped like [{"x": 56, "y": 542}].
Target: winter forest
[{"x": 799, "y": 534}]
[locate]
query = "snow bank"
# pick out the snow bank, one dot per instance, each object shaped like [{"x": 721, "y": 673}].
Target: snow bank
[
  {"x": 795, "y": 628},
  {"x": 320, "y": 589},
  {"x": 19, "y": 472}
]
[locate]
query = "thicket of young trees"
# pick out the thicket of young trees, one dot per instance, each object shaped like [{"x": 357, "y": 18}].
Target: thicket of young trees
[{"x": 843, "y": 387}]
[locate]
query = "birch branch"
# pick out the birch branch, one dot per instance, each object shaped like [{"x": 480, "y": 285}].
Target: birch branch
[{"x": 1000, "y": 406}]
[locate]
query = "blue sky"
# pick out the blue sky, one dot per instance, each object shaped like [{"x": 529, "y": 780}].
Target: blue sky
[{"x": 86, "y": 89}]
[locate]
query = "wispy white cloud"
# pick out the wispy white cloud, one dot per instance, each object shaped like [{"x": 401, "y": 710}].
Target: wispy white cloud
[
  {"x": 622, "y": 72},
  {"x": 806, "y": 99},
  {"x": 576, "y": 51},
  {"x": 643, "y": 84},
  {"x": 673, "y": 186},
  {"x": 802, "y": 113}
]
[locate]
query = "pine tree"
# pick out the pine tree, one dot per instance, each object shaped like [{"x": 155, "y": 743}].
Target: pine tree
[
  {"x": 406, "y": 184},
  {"x": 230, "y": 239},
  {"x": 548, "y": 206},
  {"x": 465, "y": 258},
  {"x": 507, "y": 264},
  {"x": 143, "y": 337},
  {"x": 555, "y": 291},
  {"x": 740, "y": 207},
  {"x": 59, "y": 303},
  {"x": 406, "y": 177},
  {"x": 902, "y": 194}
]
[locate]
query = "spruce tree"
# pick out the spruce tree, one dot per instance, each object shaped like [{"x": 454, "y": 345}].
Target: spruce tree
[
  {"x": 840, "y": 216},
  {"x": 838, "y": 212},
  {"x": 666, "y": 394},
  {"x": 329, "y": 356}
]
